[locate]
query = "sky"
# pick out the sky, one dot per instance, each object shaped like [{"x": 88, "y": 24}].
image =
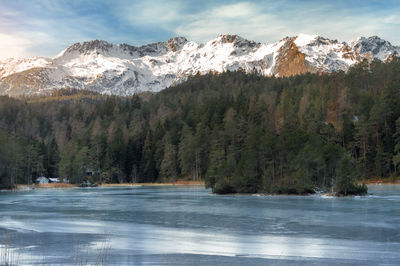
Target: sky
[{"x": 46, "y": 27}]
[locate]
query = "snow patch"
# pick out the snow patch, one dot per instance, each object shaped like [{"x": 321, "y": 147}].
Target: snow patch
[{"x": 304, "y": 39}]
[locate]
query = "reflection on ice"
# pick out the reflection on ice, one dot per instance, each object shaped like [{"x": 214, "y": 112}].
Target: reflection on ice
[
  {"x": 170, "y": 241},
  {"x": 183, "y": 224},
  {"x": 54, "y": 226}
]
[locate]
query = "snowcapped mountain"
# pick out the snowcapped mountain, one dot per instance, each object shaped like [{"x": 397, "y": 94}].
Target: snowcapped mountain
[{"x": 123, "y": 69}]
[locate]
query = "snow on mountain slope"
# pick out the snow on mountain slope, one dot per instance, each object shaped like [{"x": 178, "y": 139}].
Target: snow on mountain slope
[
  {"x": 374, "y": 47},
  {"x": 123, "y": 69},
  {"x": 15, "y": 65},
  {"x": 325, "y": 54}
]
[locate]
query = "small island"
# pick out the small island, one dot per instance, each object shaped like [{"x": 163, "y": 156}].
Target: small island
[{"x": 345, "y": 184}]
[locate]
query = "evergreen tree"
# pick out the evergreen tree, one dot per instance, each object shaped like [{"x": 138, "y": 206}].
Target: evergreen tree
[
  {"x": 396, "y": 155},
  {"x": 187, "y": 153},
  {"x": 168, "y": 164}
]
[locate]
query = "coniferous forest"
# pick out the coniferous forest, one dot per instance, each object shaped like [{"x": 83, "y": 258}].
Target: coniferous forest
[{"x": 239, "y": 132}]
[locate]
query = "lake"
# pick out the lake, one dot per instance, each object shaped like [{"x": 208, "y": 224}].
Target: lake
[{"x": 177, "y": 225}]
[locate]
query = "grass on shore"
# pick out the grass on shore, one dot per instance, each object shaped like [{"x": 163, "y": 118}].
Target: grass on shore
[
  {"x": 380, "y": 180},
  {"x": 65, "y": 185},
  {"x": 177, "y": 183}
]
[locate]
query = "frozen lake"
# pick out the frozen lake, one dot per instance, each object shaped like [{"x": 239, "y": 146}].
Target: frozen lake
[{"x": 190, "y": 226}]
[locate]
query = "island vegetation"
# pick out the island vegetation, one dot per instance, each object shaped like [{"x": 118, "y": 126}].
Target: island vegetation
[{"x": 241, "y": 133}]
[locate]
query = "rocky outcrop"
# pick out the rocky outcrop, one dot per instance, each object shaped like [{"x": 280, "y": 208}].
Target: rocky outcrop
[{"x": 291, "y": 61}]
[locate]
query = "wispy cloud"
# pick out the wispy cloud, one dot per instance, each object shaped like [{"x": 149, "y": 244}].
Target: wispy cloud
[
  {"x": 45, "y": 27},
  {"x": 269, "y": 21},
  {"x": 243, "y": 18},
  {"x": 13, "y": 46}
]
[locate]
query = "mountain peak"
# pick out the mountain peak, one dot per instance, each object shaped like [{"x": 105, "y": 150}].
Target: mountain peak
[
  {"x": 235, "y": 40},
  {"x": 176, "y": 43},
  {"x": 229, "y": 38},
  {"x": 371, "y": 40},
  {"x": 304, "y": 39},
  {"x": 124, "y": 69},
  {"x": 89, "y": 46},
  {"x": 374, "y": 47}
]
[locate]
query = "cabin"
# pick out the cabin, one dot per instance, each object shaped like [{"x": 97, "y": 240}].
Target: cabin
[
  {"x": 54, "y": 180},
  {"x": 42, "y": 180}
]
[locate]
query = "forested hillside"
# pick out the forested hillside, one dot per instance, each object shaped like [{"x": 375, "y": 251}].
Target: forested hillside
[{"x": 239, "y": 132}]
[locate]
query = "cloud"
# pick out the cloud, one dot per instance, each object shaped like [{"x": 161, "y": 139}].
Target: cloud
[
  {"x": 241, "y": 10},
  {"x": 269, "y": 23},
  {"x": 241, "y": 18},
  {"x": 264, "y": 21},
  {"x": 46, "y": 27},
  {"x": 13, "y": 46},
  {"x": 152, "y": 13},
  {"x": 392, "y": 20}
]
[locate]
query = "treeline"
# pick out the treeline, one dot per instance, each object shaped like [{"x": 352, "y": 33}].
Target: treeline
[{"x": 238, "y": 132}]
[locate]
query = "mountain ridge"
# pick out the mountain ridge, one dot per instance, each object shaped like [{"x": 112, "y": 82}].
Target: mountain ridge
[{"x": 123, "y": 69}]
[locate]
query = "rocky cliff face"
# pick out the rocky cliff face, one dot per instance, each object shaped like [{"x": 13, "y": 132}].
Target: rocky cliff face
[
  {"x": 290, "y": 61},
  {"x": 123, "y": 69}
]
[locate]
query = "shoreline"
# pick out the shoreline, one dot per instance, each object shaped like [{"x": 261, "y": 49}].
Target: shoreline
[
  {"x": 22, "y": 187},
  {"x": 378, "y": 181},
  {"x": 177, "y": 183},
  {"x": 325, "y": 194}
]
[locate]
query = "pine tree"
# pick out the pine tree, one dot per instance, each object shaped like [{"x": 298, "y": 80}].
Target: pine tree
[
  {"x": 148, "y": 165},
  {"x": 186, "y": 153},
  {"x": 396, "y": 156},
  {"x": 168, "y": 169}
]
